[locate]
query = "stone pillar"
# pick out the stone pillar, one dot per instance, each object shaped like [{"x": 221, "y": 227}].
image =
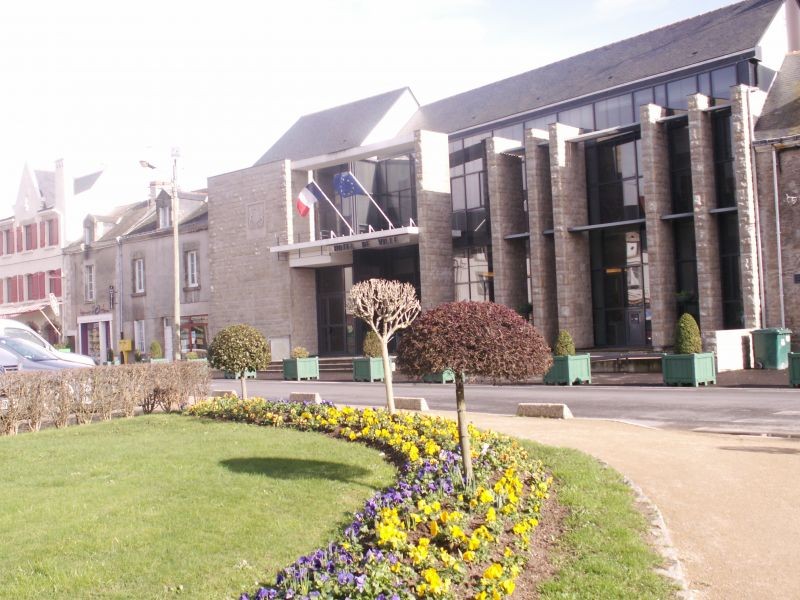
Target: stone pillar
[
  {"x": 542, "y": 249},
  {"x": 701, "y": 148},
  {"x": 660, "y": 237},
  {"x": 570, "y": 209},
  {"x": 507, "y": 217},
  {"x": 741, "y": 116},
  {"x": 434, "y": 210}
]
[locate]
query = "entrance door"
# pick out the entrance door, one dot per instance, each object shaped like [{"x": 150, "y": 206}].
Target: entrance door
[{"x": 335, "y": 333}]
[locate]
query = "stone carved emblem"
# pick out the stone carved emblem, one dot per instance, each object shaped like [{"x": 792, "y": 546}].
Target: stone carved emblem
[{"x": 255, "y": 216}]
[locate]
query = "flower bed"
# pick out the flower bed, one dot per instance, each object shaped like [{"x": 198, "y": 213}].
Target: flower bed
[{"x": 429, "y": 536}]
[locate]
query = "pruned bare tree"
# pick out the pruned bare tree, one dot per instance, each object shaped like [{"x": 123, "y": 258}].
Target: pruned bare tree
[{"x": 387, "y": 307}]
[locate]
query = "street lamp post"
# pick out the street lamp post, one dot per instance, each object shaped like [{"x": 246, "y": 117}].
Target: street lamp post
[{"x": 176, "y": 258}]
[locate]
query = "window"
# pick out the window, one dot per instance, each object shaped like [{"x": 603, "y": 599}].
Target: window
[
  {"x": 471, "y": 275},
  {"x": 613, "y": 181},
  {"x": 192, "y": 278},
  {"x": 581, "y": 117},
  {"x": 30, "y": 236},
  {"x": 613, "y": 112},
  {"x": 164, "y": 217},
  {"x": 138, "y": 276},
  {"x": 138, "y": 336},
  {"x": 52, "y": 232},
  {"x": 722, "y": 127},
  {"x": 680, "y": 166},
  {"x": 88, "y": 283},
  {"x": 8, "y": 241}
]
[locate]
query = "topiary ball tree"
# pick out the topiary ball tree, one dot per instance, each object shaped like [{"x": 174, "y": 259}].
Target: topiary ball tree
[
  {"x": 239, "y": 348},
  {"x": 564, "y": 344},
  {"x": 479, "y": 338},
  {"x": 687, "y": 336}
]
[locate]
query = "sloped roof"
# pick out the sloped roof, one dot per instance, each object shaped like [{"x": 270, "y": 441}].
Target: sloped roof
[
  {"x": 123, "y": 217},
  {"x": 781, "y": 114},
  {"x": 332, "y": 130},
  {"x": 733, "y": 29},
  {"x": 85, "y": 182},
  {"x": 46, "y": 182}
]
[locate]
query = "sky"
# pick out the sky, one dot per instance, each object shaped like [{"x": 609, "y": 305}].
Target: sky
[{"x": 105, "y": 84}]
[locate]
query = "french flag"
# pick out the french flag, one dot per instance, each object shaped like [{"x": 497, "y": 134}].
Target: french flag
[{"x": 309, "y": 196}]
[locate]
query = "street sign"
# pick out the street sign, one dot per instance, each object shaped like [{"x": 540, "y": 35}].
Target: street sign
[{"x": 54, "y": 303}]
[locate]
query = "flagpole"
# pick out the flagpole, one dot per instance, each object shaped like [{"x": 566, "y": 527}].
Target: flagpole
[
  {"x": 371, "y": 199},
  {"x": 333, "y": 206}
]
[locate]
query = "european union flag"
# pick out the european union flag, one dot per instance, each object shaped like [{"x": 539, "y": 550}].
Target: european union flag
[{"x": 347, "y": 185}]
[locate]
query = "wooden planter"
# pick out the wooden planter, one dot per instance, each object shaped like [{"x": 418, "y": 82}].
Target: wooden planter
[
  {"x": 569, "y": 370},
  {"x": 301, "y": 368},
  {"x": 367, "y": 369},
  {"x": 232, "y": 375},
  {"x": 794, "y": 369},
  {"x": 446, "y": 376},
  {"x": 689, "y": 369}
]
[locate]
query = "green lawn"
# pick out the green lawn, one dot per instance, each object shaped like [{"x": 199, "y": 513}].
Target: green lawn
[
  {"x": 165, "y": 505},
  {"x": 602, "y": 553}
]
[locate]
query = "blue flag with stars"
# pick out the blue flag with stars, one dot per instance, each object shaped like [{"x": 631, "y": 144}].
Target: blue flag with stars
[{"x": 347, "y": 185}]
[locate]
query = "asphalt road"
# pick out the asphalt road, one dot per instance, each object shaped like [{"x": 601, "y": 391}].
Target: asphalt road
[{"x": 757, "y": 411}]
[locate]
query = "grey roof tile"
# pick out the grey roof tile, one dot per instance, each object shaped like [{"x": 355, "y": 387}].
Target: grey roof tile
[
  {"x": 781, "y": 114},
  {"x": 332, "y": 130},
  {"x": 728, "y": 30}
]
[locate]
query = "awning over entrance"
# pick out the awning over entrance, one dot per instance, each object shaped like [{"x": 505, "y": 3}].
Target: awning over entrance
[
  {"x": 21, "y": 309},
  {"x": 339, "y": 250}
]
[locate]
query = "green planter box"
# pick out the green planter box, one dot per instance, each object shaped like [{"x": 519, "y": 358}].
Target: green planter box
[
  {"x": 301, "y": 368},
  {"x": 367, "y": 369},
  {"x": 794, "y": 369},
  {"x": 689, "y": 369},
  {"x": 569, "y": 370},
  {"x": 232, "y": 375},
  {"x": 446, "y": 376}
]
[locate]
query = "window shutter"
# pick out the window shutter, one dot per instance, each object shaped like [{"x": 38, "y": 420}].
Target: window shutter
[
  {"x": 1, "y": 290},
  {"x": 20, "y": 247},
  {"x": 42, "y": 284},
  {"x": 12, "y": 289},
  {"x": 57, "y": 284},
  {"x": 42, "y": 234},
  {"x": 34, "y": 237},
  {"x": 54, "y": 232}
]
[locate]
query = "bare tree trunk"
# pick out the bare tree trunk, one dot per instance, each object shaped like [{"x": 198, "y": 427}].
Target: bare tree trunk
[
  {"x": 244, "y": 385},
  {"x": 387, "y": 376},
  {"x": 463, "y": 430}
]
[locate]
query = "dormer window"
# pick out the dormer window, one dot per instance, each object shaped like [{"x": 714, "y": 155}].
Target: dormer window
[{"x": 164, "y": 219}]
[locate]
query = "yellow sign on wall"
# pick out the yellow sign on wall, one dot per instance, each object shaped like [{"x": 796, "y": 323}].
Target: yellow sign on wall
[{"x": 125, "y": 345}]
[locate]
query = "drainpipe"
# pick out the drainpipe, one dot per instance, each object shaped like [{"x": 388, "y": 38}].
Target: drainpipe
[
  {"x": 778, "y": 231},
  {"x": 120, "y": 295}
]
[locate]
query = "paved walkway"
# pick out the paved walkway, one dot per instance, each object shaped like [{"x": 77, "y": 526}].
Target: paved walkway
[{"x": 730, "y": 503}]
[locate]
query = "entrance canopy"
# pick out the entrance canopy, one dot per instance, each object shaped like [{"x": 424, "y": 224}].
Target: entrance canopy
[{"x": 339, "y": 250}]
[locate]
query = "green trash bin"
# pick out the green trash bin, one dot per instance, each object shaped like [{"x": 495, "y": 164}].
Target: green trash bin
[{"x": 771, "y": 347}]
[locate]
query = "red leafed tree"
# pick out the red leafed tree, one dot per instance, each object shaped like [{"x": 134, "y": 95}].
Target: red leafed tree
[{"x": 476, "y": 338}]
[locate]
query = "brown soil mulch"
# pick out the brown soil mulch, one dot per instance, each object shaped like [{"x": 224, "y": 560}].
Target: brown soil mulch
[{"x": 543, "y": 541}]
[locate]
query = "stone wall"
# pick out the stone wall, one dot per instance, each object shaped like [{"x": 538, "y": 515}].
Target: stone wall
[
  {"x": 660, "y": 239},
  {"x": 434, "y": 210},
  {"x": 507, "y": 216},
  {"x": 570, "y": 209},
  {"x": 248, "y": 212},
  {"x": 542, "y": 249},
  {"x": 709, "y": 288}
]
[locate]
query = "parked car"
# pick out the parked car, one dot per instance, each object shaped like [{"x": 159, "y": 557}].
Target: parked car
[
  {"x": 15, "y": 329},
  {"x": 9, "y": 361},
  {"x": 32, "y": 357}
]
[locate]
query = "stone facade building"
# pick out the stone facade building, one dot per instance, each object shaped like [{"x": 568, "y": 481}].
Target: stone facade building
[{"x": 605, "y": 194}]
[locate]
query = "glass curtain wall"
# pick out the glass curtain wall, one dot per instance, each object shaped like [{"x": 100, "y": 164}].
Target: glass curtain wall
[
  {"x": 727, "y": 222},
  {"x": 620, "y": 286}
]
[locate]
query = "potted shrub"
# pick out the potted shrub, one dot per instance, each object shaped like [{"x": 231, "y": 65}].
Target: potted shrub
[
  {"x": 446, "y": 376},
  {"x": 370, "y": 367},
  {"x": 689, "y": 365},
  {"x": 300, "y": 365},
  {"x": 239, "y": 350},
  {"x": 794, "y": 369},
  {"x": 568, "y": 368},
  {"x": 156, "y": 353}
]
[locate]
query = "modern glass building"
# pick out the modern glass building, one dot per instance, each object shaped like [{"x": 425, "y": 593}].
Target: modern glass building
[{"x": 605, "y": 194}]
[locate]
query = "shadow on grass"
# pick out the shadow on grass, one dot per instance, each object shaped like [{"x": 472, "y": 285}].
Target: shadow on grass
[{"x": 293, "y": 468}]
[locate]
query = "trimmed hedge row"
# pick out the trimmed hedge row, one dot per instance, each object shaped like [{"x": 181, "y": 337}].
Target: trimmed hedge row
[
  {"x": 33, "y": 398},
  {"x": 429, "y": 536}
]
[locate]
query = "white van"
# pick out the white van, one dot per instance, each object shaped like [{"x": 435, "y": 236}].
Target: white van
[{"x": 12, "y": 328}]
